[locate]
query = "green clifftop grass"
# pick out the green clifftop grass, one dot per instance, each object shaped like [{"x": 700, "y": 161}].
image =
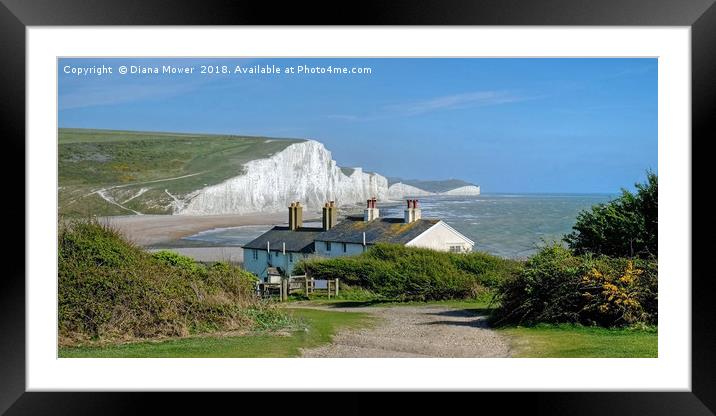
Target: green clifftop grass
[
  {"x": 110, "y": 290},
  {"x": 125, "y": 162}
]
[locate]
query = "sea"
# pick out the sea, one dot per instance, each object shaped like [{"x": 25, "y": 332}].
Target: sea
[{"x": 507, "y": 225}]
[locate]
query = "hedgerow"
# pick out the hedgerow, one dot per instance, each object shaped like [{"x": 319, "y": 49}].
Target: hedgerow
[{"x": 409, "y": 273}]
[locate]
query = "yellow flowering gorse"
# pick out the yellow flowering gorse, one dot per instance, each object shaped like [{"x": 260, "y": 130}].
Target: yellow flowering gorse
[{"x": 616, "y": 295}]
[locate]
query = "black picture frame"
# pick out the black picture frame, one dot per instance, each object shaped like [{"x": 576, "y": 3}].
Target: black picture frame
[{"x": 16, "y": 15}]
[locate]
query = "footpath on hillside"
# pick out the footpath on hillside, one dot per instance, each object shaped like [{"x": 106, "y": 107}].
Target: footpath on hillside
[{"x": 414, "y": 331}]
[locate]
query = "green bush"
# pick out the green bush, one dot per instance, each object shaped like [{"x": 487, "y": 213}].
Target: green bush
[
  {"x": 557, "y": 286},
  {"x": 408, "y": 273},
  {"x": 357, "y": 294},
  {"x": 177, "y": 260},
  {"x": 111, "y": 290},
  {"x": 624, "y": 227}
]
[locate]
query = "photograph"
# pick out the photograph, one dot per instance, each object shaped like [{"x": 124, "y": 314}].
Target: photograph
[
  {"x": 404, "y": 197},
  {"x": 357, "y": 207}
]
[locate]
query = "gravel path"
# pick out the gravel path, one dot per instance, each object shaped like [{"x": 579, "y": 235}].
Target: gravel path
[{"x": 416, "y": 331}]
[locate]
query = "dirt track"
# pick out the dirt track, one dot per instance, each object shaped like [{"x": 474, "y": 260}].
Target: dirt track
[{"x": 416, "y": 331}]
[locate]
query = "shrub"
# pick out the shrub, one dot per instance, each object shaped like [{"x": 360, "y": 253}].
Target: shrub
[
  {"x": 177, "y": 260},
  {"x": 409, "y": 273},
  {"x": 557, "y": 286},
  {"x": 620, "y": 292},
  {"x": 624, "y": 227},
  {"x": 111, "y": 290}
]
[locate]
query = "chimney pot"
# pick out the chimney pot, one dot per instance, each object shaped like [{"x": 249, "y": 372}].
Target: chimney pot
[
  {"x": 295, "y": 216},
  {"x": 330, "y": 215}
]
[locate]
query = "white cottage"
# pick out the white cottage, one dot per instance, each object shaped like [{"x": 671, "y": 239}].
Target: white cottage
[
  {"x": 281, "y": 247},
  {"x": 354, "y": 234},
  {"x": 284, "y": 247}
]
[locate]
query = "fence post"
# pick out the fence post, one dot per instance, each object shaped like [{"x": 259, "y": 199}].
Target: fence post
[
  {"x": 337, "y": 280},
  {"x": 284, "y": 289}
]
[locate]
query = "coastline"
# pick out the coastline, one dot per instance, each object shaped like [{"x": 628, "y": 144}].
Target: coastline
[
  {"x": 158, "y": 230},
  {"x": 153, "y": 230}
]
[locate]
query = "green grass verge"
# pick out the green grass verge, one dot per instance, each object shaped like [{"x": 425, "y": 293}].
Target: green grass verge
[
  {"x": 357, "y": 298},
  {"x": 575, "y": 341},
  {"x": 319, "y": 327}
]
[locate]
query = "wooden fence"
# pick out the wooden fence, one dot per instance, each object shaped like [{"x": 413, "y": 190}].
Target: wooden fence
[{"x": 300, "y": 283}]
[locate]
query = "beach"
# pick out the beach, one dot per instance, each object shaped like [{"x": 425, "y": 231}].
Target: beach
[{"x": 156, "y": 231}]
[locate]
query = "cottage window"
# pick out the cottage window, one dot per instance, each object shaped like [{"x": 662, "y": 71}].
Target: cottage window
[
  {"x": 345, "y": 247},
  {"x": 328, "y": 246},
  {"x": 290, "y": 256},
  {"x": 256, "y": 254},
  {"x": 456, "y": 249}
]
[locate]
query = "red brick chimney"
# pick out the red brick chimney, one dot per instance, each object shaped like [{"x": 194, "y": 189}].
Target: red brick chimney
[
  {"x": 371, "y": 211},
  {"x": 412, "y": 213}
]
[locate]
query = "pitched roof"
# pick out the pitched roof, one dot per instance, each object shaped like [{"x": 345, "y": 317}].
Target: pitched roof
[
  {"x": 299, "y": 241},
  {"x": 380, "y": 230}
]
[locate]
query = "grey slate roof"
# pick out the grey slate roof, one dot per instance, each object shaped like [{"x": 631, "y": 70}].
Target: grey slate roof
[
  {"x": 299, "y": 241},
  {"x": 380, "y": 230}
]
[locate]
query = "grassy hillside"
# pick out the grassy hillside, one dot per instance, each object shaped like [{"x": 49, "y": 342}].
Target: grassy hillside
[
  {"x": 431, "y": 186},
  {"x": 144, "y": 171},
  {"x": 109, "y": 290}
]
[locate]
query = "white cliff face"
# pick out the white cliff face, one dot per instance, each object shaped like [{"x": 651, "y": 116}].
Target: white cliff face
[
  {"x": 302, "y": 172},
  {"x": 463, "y": 190},
  {"x": 400, "y": 190}
]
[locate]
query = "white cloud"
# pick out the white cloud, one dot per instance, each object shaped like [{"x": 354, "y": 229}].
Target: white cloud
[
  {"x": 442, "y": 103},
  {"x": 455, "y": 101}
]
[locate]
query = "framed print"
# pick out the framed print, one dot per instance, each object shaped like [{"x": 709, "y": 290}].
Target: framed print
[{"x": 453, "y": 197}]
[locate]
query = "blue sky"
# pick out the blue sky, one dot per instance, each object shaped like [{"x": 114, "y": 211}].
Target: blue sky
[{"x": 509, "y": 125}]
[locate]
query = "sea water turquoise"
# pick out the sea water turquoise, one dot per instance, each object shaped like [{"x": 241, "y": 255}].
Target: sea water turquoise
[{"x": 508, "y": 225}]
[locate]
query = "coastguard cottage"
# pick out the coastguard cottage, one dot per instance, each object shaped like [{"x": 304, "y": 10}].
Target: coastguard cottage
[{"x": 284, "y": 247}]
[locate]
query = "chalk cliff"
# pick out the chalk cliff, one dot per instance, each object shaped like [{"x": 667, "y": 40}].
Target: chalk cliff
[
  {"x": 303, "y": 172},
  {"x": 400, "y": 190},
  {"x": 470, "y": 190}
]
